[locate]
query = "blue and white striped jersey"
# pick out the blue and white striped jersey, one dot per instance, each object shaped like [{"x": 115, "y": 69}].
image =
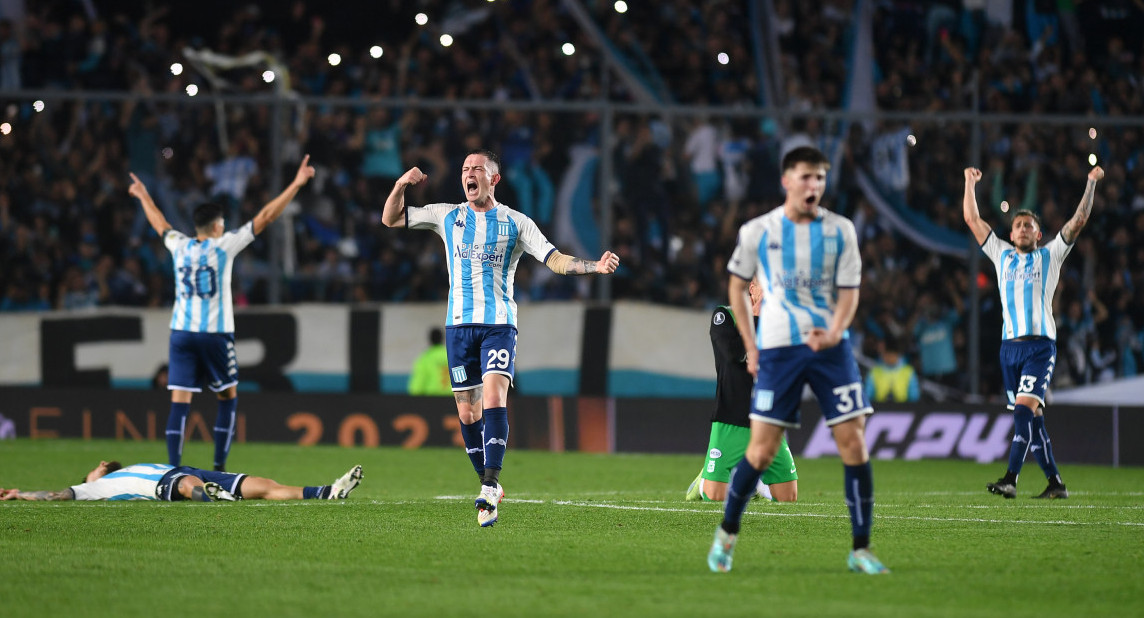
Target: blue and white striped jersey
[
  {"x": 1027, "y": 283},
  {"x": 135, "y": 482},
  {"x": 800, "y": 266},
  {"x": 484, "y": 248},
  {"x": 203, "y": 301}
]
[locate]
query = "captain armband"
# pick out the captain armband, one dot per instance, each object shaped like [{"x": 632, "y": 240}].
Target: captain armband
[{"x": 558, "y": 262}]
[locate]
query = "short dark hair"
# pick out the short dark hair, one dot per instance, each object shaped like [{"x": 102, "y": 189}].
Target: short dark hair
[
  {"x": 205, "y": 215},
  {"x": 436, "y": 336},
  {"x": 804, "y": 154},
  {"x": 490, "y": 155},
  {"x": 112, "y": 466},
  {"x": 1025, "y": 212}
]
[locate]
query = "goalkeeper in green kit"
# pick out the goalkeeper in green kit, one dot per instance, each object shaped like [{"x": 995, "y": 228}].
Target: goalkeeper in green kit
[{"x": 730, "y": 425}]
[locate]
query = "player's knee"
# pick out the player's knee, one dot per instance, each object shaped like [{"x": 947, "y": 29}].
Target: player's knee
[{"x": 785, "y": 492}]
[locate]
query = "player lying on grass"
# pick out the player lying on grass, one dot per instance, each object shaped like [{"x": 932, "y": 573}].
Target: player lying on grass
[{"x": 149, "y": 481}]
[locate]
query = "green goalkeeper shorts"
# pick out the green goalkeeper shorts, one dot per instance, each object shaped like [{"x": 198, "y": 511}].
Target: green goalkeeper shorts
[{"x": 728, "y": 445}]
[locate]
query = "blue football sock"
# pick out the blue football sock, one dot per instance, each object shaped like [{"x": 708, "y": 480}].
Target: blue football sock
[
  {"x": 1022, "y": 437},
  {"x": 1043, "y": 450},
  {"x": 473, "y": 435},
  {"x": 316, "y": 493},
  {"x": 859, "y": 492},
  {"x": 224, "y": 431},
  {"x": 496, "y": 436},
  {"x": 176, "y": 423},
  {"x": 739, "y": 491}
]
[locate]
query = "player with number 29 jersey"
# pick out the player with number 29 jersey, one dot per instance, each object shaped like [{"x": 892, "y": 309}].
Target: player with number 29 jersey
[{"x": 484, "y": 250}]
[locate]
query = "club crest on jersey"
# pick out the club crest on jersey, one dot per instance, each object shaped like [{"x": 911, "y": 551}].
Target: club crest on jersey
[
  {"x": 459, "y": 374},
  {"x": 830, "y": 245},
  {"x": 503, "y": 228},
  {"x": 720, "y": 317}
]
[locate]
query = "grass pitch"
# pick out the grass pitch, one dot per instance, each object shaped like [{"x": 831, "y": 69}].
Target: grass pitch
[{"x": 579, "y": 535}]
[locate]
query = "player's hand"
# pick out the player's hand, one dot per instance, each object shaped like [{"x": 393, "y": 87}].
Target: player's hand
[
  {"x": 137, "y": 188},
  {"x": 753, "y": 360},
  {"x": 1096, "y": 173},
  {"x": 821, "y": 339},
  {"x": 305, "y": 172},
  {"x": 608, "y": 263},
  {"x": 412, "y": 177},
  {"x": 9, "y": 494},
  {"x": 972, "y": 174}
]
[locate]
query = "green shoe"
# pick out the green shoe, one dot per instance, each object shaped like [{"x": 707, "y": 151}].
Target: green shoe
[
  {"x": 694, "y": 490},
  {"x": 862, "y": 561},
  {"x": 719, "y": 558}
]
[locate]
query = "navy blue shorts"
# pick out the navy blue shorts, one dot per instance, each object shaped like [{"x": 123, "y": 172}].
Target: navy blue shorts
[
  {"x": 195, "y": 358},
  {"x": 477, "y": 349},
  {"x": 168, "y": 488},
  {"x": 1027, "y": 367},
  {"x": 831, "y": 373}
]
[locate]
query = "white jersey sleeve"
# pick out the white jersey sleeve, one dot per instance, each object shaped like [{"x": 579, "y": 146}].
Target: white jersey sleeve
[
  {"x": 135, "y": 482},
  {"x": 848, "y": 273}
]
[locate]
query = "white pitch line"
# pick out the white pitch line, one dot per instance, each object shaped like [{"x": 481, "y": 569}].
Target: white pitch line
[{"x": 904, "y": 517}]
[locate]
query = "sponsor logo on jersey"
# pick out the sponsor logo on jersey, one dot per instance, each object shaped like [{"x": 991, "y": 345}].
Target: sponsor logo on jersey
[
  {"x": 714, "y": 454},
  {"x": 487, "y": 254}
]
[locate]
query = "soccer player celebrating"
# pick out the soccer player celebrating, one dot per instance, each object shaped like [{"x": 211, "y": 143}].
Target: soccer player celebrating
[
  {"x": 202, "y": 320},
  {"x": 730, "y": 422},
  {"x": 1027, "y": 280},
  {"x": 484, "y": 240},
  {"x": 806, "y": 259},
  {"x": 150, "y": 481}
]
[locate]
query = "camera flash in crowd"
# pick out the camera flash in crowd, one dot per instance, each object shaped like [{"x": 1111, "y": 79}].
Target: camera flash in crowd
[
  {"x": 1092, "y": 133},
  {"x": 446, "y": 40},
  {"x": 1092, "y": 159},
  {"x": 1004, "y": 206},
  {"x": 5, "y": 128},
  {"x": 568, "y": 49},
  {"x": 421, "y": 19},
  {"x": 176, "y": 69},
  {"x": 911, "y": 140},
  {"x": 621, "y": 6},
  {"x": 376, "y": 51},
  {"x": 192, "y": 90},
  {"x": 334, "y": 59},
  {"x": 38, "y": 106},
  {"x": 723, "y": 58}
]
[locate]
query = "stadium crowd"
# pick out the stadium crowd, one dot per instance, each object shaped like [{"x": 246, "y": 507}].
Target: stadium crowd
[{"x": 71, "y": 238}]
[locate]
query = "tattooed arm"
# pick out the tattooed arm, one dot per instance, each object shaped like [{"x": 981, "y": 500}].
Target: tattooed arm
[
  {"x": 37, "y": 496},
  {"x": 568, "y": 265},
  {"x": 1073, "y": 226}
]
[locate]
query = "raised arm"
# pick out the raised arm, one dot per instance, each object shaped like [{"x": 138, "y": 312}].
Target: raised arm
[
  {"x": 37, "y": 496},
  {"x": 273, "y": 209},
  {"x": 568, "y": 265},
  {"x": 1073, "y": 226},
  {"x": 393, "y": 214},
  {"x": 154, "y": 215},
  {"x": 973, "y": 218}
]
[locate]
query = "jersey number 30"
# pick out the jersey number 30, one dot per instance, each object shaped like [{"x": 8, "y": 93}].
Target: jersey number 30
[{"x": 201, "y": 281}]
